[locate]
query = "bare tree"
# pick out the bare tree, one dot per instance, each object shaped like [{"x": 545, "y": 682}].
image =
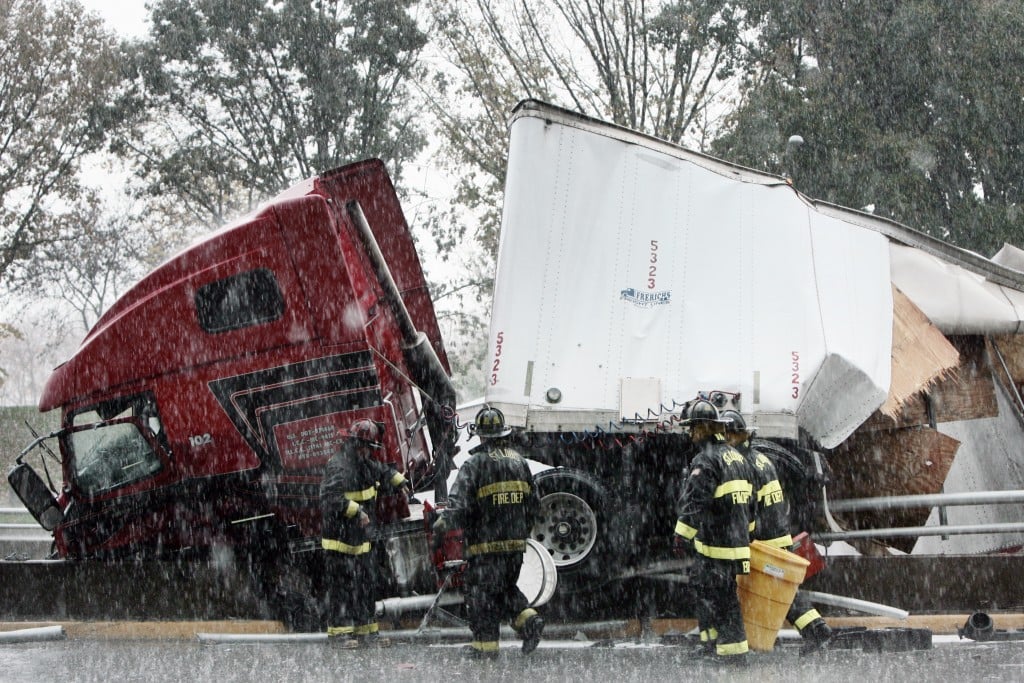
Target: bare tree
[
  {"x": 234, "y": 101},
  {"x": 97, "y": 253},
  {"x": 660, "y": 67},
  {"x": 58, "y": 71},
  {"x": 663, "y": 67}
]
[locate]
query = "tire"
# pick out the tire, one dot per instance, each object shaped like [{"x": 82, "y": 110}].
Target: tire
[{"x": 573, "y": 527}]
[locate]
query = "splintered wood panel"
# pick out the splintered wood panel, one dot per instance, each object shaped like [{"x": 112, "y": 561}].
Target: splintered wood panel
[
  {"x": 896, "y": 463},
  {"x": 921, "y": 354},
  {"x": 1011, "y": 346},
  {"x": 966, "y": 393},
  {"x": 971, "y": 393}
]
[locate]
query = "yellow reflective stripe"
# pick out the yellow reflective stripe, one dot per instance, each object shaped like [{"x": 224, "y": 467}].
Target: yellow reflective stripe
[
  {"x": 523, "y": 616},
  {"x": 352, "y": 509},
  {"x": 485, "y": 645},
  {"x": 806, "y": 618},
  {"x": 780, "y": 541},
  {"x": 771, "y": 487},
  {"x": 753, "y": 525},
  {"x": 709, "y": 634},
  {"x": 398, "y": 479},
  {"x": 734, "y": 486},
  {"x": 496, "y": 547},
  {"x": 339, "y": 547},
  {"x": 732, "y": 648},
  {"x": 720, "y": 553},
  {"x": 366, "y": 629},
  {"x": 503, "y": 487},
  {"x": 685, "y": 530},
  {"x": 339, "y": 630},
  {"x": 360, "y": 496}
]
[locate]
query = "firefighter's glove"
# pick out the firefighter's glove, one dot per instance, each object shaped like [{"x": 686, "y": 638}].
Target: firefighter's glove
[
  {"x": 363, "y": 519},
  {"x": 410, "y": 495}
]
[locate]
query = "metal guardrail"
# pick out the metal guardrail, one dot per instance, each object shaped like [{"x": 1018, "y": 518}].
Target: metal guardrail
[
  {"x": 940, "y": 500},
  {"x": 21, "y": 537}
]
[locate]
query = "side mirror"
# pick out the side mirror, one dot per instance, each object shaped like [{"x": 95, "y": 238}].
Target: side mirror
[{"x": 35, "y": 495}]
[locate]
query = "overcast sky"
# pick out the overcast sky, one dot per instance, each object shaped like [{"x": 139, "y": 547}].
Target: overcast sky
[{"x": 126, "y": 17}]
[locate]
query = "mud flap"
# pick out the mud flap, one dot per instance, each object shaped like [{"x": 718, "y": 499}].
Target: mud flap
[{"x": 35, "y": 495}]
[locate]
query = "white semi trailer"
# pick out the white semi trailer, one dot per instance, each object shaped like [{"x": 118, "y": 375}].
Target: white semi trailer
[{"x": 634, "y": 275}]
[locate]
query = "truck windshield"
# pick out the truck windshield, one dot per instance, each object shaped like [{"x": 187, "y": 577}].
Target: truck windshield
[{"x": 110, "y": 451}]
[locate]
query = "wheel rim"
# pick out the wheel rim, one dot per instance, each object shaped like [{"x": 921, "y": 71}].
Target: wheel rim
[{"x": 567, "y": 528}]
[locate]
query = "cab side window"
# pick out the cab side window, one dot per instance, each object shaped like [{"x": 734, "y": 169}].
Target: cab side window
[{"x": 238, "y": 301}]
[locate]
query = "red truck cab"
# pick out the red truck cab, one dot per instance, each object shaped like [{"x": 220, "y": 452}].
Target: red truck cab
[{"x": 203, "y": 405}]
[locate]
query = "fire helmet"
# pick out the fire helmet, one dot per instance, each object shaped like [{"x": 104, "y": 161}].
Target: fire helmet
[
  {"x": 490, "y": 423},
  {"x": 735, "y": 421},
  {"x": 367, "y": 432},
  {"x": 703, "y": 411}
]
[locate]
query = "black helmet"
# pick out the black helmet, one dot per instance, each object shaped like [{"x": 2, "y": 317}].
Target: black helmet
[
  {"x": 367, "y": 432},
  {"x": 703, "y": 411},
  {"x": 735, "y": 420},
  {"x": 490, "y": 423}
]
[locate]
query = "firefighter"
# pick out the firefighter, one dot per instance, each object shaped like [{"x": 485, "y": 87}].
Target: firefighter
[
  {"x": 772, "y": 526},
  {"x": 713, "y": 525},
  {"x": 348, "y": 497},
  {"x": 495, "y": 503}
]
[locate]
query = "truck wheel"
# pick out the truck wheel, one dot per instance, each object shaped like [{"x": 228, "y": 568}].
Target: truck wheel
[{"x": 571, "y": 525}]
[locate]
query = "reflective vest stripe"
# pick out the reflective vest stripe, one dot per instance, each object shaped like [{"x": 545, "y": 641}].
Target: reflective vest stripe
[
  {"x": 339, "y": 547},
  {"x": 720, "y": 553},
  {"x": 771, "y": 487},
  {"x": 398, "y": 479},
  {"x": 685, "y": 530},
  {"x": 503, "y": 487},
  {"x": 734, "y": 486},
  {"x": 360, "y": 496},
  {"x": 352, "y": 509},
  {"x": 780, "y": 542},
  {"x": 497, "y": 547}
]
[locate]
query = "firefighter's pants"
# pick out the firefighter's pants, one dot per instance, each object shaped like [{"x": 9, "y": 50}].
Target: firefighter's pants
[
  {"x": 492, "y": 594},
  {"x": 801, "y": 613},
  {"x": 351, "y": 593},
  {"x": 718, "y": 606}
]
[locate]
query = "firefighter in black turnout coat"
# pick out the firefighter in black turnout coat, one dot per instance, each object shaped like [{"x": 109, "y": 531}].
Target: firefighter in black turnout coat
[
  {"x": 495, "y": 503},
  {"x": 714, "y": 524},
  {"x": 348, "y": 498},
  {"x": 772, "y": 526}
]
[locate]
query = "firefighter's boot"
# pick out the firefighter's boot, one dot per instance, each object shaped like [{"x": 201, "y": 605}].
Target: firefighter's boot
[
  {"x": 344, "y": 642},
  {"x": 816, "y": 636},
  {"x": 532, "y": 629},
  {"x": 375, "y": 640}
]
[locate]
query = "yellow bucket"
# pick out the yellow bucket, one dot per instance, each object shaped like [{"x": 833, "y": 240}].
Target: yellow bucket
[{"x": 768, "y": 591}]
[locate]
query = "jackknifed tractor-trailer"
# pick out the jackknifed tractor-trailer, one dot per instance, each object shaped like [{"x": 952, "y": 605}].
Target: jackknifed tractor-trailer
[{"x": 633, "y": 277}]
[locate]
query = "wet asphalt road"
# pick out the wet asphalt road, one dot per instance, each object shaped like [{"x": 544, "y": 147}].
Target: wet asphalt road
[{"x": 101, "y": 661}]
